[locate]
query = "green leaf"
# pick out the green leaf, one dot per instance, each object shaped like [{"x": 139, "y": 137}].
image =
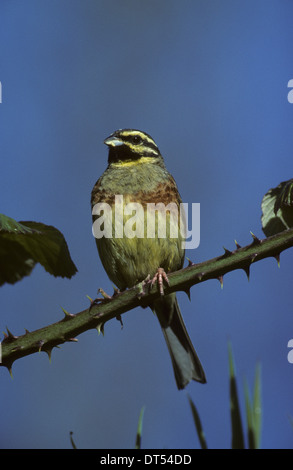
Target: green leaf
[
  {"x": 277, "y": 209},
  {"x": 257, "y": 406},
  {"x": 71, "y": 440},
  {"x": 15, "y": 262},
  {"x": 236, "y": 423},
  {"x": 253, "y": 412},
  {"x": 198, "y": 425},
  {"x": 7, "y": 224},
  {"x": 23, "y": 244},
  {"x": 139, "y": 429},
  {"x": 249, "y": 418}
]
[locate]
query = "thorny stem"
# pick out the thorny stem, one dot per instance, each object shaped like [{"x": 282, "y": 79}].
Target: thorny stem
[{"x": 44, "y": 339}]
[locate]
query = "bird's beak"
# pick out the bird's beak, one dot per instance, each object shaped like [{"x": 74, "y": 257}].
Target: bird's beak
[{"x": 113, "y": 141}]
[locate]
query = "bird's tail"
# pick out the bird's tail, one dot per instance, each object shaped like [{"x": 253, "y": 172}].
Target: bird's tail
[{"x": 186, "y": 363}]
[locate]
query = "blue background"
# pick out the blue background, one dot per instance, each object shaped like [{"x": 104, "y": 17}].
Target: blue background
[{"x": 208, "y": 80}]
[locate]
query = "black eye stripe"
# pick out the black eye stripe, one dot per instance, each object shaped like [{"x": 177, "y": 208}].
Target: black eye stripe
[
  {"x": 138, "y": 140},
  {"x": 151, "y": 146},
  {"x": 133, "y": 139}
]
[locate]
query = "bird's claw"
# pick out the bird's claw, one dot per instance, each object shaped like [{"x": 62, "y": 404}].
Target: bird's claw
[{"x": 160, "y": 277}]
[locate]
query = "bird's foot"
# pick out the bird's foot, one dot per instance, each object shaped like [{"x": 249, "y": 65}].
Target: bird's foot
[{"x": 160, "y": 277}]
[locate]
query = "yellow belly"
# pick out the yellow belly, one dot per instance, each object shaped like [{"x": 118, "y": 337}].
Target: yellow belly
[{"x": 128, "y": 261}]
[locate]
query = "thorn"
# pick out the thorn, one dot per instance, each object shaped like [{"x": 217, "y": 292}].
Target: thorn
[
  {"x": 49, "y": 352},
  {"x": 67, "y": 314},
  {"x": 65, "y": 311},
  {"x": 9, "y": 368},
  {"x": 247, "y": 272},
  {"x": 190, "y": 263},
  {"x": 90, "y": 299},
  {"x": 100, "y": 328},
  {"x": 119, "y": 318},
  {"x": 256, "y": 240},
  {"x": 26, "y": 331},
  {"x": 10, "y": 335},
  {"x": 227, "y": 252},
  {"x": 105, "y": 297},
  {"x": 277, "y": 258},
  {"x": 237, "y": 245},
  {"x": 104, "y": 294},
  {"x": 72, "y": 340},
  {"x": 187, "y": 292},
  {"x": 200, "y": 276},
  {"x": 220, "y": 278}
]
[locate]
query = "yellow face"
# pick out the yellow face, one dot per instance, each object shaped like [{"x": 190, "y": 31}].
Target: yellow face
[{"x": 129, "y": 147}]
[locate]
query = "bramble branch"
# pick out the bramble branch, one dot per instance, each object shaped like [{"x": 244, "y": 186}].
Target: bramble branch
[{"x": 72, "y": 325}]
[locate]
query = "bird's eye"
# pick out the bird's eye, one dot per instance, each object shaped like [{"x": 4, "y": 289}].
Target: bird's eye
[{"x": 136, "y": 139}]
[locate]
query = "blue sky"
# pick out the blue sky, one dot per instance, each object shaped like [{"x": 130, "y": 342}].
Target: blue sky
[{"x": 208, "y": 80}]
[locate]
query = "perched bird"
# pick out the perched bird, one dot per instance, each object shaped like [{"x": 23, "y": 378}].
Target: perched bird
[{"x": 137, "y": 174}]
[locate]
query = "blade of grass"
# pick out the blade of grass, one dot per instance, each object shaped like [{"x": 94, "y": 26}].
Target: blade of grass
[
  {"x": 198, "y": 425},
  {"x": 253, "y": 411},
  {"x": 72, "y": 441},
  {"x": 249, "y": 418},
  {"x": 236, "y": 423},
  {"x": 139, "y": 429},
  {"x": 257, "y": 407}
]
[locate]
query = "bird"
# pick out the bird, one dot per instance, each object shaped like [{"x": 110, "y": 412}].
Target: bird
[{"x": 136, "y": 173}]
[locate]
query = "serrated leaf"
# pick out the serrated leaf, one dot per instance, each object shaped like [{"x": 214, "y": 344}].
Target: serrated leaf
[
  {"x": 23, "y": 244},
  {"x": 277, "y": 209},
  {"x": 7, "y": 224}
]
